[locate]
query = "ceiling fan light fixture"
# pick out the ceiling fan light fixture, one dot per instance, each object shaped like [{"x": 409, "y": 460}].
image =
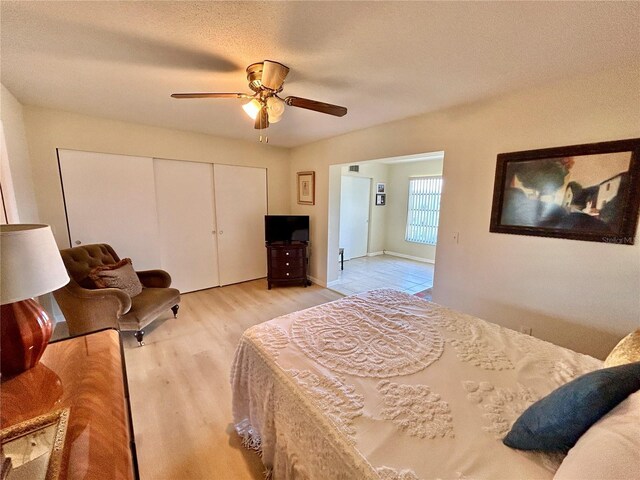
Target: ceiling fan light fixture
[
  {"x": 252, "y": 108},
  {"x": 275, "y": 109},
  {"x": 266, "y": 79}
]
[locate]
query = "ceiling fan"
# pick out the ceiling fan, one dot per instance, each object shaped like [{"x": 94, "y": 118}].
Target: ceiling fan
[{"x": 266, "y": 79}]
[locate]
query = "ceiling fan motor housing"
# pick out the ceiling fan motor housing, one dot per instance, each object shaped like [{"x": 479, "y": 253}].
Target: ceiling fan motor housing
[{"x": 254, "y": 76}]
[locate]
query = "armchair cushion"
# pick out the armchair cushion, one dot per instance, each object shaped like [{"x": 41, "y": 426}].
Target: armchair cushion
[
  {"x": 119, "y": 275},
  {"x": 147, "y": 306}
]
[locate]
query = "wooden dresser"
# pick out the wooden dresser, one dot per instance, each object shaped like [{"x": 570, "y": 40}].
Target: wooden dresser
[
  {"x": 85, "y": 374},
  {"x": 287, "y": 264}
]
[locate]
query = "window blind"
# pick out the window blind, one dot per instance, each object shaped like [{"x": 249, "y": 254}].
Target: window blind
[{"x": 423, "y": 209}]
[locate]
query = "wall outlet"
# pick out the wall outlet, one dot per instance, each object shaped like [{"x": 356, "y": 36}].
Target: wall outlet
[
  {"x": 526, "y": 330},
  {"x": 456, "y": 237}
]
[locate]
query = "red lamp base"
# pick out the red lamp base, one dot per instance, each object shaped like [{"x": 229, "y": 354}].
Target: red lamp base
[{"x": 25, "y": 331}]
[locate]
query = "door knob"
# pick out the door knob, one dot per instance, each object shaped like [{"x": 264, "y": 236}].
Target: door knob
[{"x": 78, "y": 242}]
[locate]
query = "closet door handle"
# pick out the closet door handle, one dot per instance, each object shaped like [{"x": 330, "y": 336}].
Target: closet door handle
[
  {"x": 78, "y": 242},
  {"x": 221, "y": 232}
]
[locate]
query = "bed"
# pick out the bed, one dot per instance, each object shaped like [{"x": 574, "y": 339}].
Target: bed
[{"x": 385, "y": 385}]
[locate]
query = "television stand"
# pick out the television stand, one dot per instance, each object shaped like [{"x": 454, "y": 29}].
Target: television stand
[{"x": 287, "y": 264}]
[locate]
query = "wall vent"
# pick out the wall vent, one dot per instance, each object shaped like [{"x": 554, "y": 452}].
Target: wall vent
[{"x": 354, "y": 168}]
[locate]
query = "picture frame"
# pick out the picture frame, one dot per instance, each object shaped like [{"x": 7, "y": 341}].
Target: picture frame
[
  {"x": 380, "y": 187},
  {"x": 306, "y": 188},
  {"x": 381, "y": 199},
  {"x": 588, "y": 192},
  {"x": 24, "y": 444}
]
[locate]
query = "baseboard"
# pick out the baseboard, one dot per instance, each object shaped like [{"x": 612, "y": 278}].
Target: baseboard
[
  {"x": 316, "y": 281},
  {"x": 374, "y": 254},
  {"x": 410, "y": 257}
]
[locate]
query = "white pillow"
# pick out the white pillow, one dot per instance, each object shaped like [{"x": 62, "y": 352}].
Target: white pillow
[{"x": 610, "y": 449}]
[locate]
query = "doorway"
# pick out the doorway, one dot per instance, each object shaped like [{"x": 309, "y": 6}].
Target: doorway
[
  {"x": 390, "y": 240},
  {"x": 355, "y": 205}
]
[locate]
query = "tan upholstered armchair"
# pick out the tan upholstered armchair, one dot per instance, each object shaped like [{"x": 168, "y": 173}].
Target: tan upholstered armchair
[{"x": 87, "y": 308}]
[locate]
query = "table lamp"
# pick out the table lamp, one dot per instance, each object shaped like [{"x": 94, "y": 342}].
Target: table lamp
[{"x": 31, "y": 266}]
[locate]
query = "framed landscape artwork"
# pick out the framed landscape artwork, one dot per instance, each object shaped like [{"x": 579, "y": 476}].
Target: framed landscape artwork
[
  {"x": 306, "y": 188},
  {"x": 581, "y": 192}
]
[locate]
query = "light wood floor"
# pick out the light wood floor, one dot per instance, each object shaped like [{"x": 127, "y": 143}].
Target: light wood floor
[{"x": 179, "y": 381}]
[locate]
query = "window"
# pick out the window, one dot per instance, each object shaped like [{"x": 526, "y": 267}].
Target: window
[{"x": 423, "y": 210}]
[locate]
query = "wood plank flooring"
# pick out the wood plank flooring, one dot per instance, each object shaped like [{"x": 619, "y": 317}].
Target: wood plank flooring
[{"x": 179, "y": 381}]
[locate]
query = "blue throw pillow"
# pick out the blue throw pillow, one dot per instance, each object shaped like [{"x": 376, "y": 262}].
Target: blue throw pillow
[{"x": 556, "y": 422}]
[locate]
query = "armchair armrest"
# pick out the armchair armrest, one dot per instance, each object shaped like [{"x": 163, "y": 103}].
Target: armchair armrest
[
  {"x": 89, "y": 310},
  {"x": 154, "y": 278}
]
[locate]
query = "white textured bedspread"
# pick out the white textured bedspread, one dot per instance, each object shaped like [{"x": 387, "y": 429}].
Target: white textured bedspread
[{"x": 387, "y": 385}]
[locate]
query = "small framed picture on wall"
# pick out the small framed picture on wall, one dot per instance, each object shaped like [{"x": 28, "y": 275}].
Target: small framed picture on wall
[
  {"x": 380, "y": 188},
  {"x": 306, "y": 188},
  {"x": 381, "y": 199}
]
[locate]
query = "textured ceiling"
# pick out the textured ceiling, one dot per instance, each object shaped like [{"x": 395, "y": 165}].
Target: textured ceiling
[{"x": 382, "y": 60}]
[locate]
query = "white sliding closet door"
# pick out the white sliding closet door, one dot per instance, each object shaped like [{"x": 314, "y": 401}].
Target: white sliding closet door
[
  {"x": 186, "y": 220},
  {"x": 241, "y": 204},
  {"x": 111, "y": 199}
]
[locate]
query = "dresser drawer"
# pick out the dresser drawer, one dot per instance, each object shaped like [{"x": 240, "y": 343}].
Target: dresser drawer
[
  {"x": 284, "y": 273},
  {"x": 288, "y": 263},
  {"x": 284, "y": 253}
]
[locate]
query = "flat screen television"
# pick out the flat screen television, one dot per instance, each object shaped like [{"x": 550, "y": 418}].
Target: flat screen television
[{"x": 286, "y": 228}]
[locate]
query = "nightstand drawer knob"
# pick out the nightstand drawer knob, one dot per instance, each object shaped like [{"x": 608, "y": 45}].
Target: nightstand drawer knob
[
  {"x": 287, "y": 264},
  {"x": 287, "y": 274},
  {"x": 286, "y": 253}
]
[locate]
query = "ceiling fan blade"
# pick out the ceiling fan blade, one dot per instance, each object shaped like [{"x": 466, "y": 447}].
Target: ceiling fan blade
[
  {"x": 273, "y": 74},
  {"x": 210, "y": 95},
  {"x": 262, "y": 119},
  {"x": 336, "y": 110}
]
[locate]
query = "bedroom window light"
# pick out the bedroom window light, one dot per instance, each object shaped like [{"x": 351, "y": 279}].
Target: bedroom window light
[{"x": 423, "y": 209}]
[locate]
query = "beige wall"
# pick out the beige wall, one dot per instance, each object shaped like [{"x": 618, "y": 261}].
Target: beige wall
[
  {"x": 397, "y": 200},
  {"x": 580, "y": 294},
  {"x": 17, "y": 153},
  {"x": 51, "y": 129},
  {"x": 377, "y": 172}
]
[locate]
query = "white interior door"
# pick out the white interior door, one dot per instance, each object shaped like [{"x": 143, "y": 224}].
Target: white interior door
[
  {"x": 355, "y": 197},
  {"x": 186, "y": 223},
  {"x": 111, "y": 199},
  {"x": 241, "y": 204}
]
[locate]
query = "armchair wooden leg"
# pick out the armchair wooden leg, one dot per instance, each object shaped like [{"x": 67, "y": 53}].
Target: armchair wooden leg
[
  {"x": 139, "y": 334},
  {"x": 174, "y": 309}
]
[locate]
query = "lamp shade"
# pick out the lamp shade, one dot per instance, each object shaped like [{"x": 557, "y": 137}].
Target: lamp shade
[
  {"x": 30, "y": 263},
  {"x": 275, "y": 108},
  {"x": 252, "y": 108}
]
